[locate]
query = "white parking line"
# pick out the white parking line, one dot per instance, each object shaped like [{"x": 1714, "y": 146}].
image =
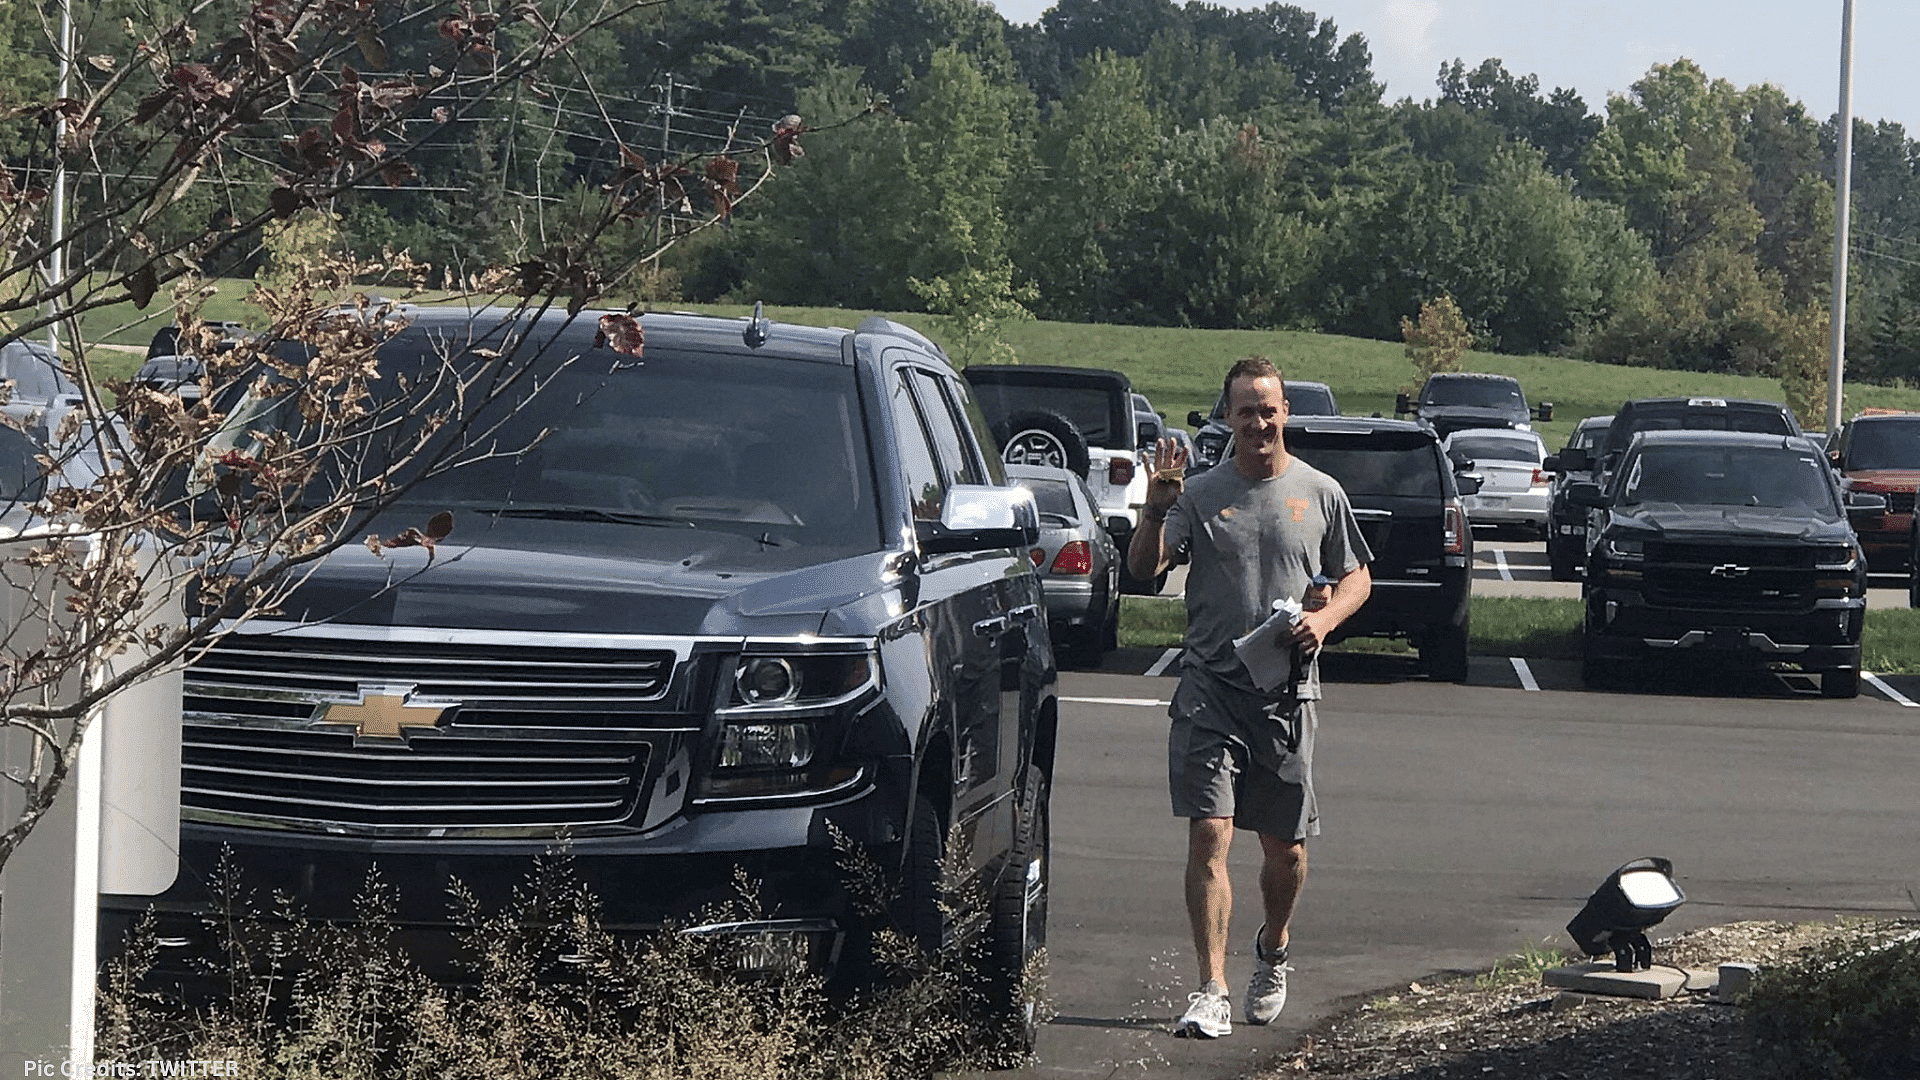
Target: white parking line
[
  {"x": 1166, "y": 660},
  {"x": 1115, "y": 701},
  {"x": 1500, "y": 564},
  {"x": 1521, "y": 669},
  {"x": 1880, "y": 685}
]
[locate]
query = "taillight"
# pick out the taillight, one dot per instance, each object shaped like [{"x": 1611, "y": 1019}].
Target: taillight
[
  {"x": 1120, "y": 471},
  {"x": 1075, "y": 558},
  {"x": 1039, "y": 555},
  {"x": 1540, "y": 477},
  {"x": 1453, "y": 527}
]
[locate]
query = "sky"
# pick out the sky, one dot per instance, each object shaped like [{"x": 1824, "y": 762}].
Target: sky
[{"x": 1602, "y": 48}]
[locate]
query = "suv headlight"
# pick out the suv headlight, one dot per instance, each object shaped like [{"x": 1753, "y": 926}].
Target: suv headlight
[
  {"x": 1619, "y": 550},
  {"x": 1833, "y": 558},
  {"x": 779, "y": 715}
]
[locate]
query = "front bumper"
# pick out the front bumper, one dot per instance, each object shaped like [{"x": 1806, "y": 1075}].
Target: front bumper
[{"x": 1620, "y": 626}]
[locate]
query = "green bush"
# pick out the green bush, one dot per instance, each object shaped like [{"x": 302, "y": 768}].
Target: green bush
[{"x": 1850, "y": 1009}]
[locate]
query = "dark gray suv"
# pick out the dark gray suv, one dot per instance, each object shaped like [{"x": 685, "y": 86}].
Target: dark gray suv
[{"x": 706, "y": 609}]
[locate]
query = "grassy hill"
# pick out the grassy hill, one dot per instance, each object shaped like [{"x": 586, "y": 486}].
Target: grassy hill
[{"x": 1180, "y": 369}]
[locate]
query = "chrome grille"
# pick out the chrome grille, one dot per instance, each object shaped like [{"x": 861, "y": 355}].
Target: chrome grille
[
  {"x": 441, "y": 670},
  {"x": 427, "y": 781},
  {"x": 516, "y": 733}
]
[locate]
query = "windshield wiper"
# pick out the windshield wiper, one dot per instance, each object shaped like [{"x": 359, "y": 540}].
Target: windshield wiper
[{"x": 592, "y": 513}]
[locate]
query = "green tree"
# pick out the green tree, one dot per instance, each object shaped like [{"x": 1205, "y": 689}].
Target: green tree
[
  {"x": 1559, "y": 125},
  {"x": 1438, "y": 340},
  {"x": 1095, "y": 173},
  {"x": 929, "y": 183}
]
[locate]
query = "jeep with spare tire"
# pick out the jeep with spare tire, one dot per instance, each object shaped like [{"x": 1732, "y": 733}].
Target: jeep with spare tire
[{"x": 1078, "y": 419}]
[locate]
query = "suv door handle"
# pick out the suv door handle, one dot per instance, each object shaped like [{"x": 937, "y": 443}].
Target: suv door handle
[
  {"x": 1024, "y": 613},
  {"x": 992, "y": 627}
]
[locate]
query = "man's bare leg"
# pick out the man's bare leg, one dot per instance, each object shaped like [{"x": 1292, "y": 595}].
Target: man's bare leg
[
  {"x": 1209, "y": 894},
  {"x": 1283, "y": 873}
]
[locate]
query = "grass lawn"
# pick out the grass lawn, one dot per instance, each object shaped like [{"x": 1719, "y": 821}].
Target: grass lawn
[{"x": 1537, "y": 629}]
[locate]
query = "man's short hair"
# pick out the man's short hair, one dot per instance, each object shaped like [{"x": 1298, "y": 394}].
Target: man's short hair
[{"x": 1249, "y": 367}]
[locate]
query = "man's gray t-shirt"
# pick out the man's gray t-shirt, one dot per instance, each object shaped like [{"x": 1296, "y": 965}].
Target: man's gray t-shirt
[{"x": 1251, "y": 542}]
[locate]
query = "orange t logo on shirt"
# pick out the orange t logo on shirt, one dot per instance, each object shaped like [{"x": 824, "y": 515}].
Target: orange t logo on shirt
[{"x": 1299, "y": 508}]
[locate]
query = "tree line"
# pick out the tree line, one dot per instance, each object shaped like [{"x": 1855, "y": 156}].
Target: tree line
[{"x": 1136, "y": 161}]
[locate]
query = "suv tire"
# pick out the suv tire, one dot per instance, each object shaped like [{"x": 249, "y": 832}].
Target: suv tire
[
  {"x": 1561, "y": 563},
  {"x": 1017, "y": 932},
  {"x": 1043, "y": 437},
  {"x": 920, "y": 916},
  {"x": 1443, "y": 651}
]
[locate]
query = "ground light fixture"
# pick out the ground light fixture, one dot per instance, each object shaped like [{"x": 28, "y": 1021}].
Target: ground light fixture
[{"x": 1634, "y": 897}]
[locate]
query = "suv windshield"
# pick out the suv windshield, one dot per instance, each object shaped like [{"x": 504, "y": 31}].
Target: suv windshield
[
  {"x": 1374, "y": 464},
  {"x": 1487, "y": 446},
  {"x": 35, "y": 373},
  {"x": 1475, "y": 393},
  {"x": 765, "y": 446},
  {"x": 1712, "y": 476},
  {"x": 1884, "y": 444}
]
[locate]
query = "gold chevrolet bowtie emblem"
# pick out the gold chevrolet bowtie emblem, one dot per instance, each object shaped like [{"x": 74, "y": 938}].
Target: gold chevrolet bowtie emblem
[{"x": 383, "y": 716}]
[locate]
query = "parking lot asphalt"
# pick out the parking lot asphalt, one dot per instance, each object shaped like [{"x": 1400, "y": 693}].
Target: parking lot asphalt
[{"x": 1463, "y": 823}]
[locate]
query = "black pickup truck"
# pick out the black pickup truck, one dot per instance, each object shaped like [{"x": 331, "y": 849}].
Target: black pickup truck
[
  {"x": 1721, "y": 545},
  {"x": 702, "y": 609}
]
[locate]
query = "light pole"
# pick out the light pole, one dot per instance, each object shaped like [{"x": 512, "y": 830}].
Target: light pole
[{"x": 1842, "y": 198}]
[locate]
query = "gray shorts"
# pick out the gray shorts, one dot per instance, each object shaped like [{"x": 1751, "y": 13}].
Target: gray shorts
[{"x": 1245, "y": 756}]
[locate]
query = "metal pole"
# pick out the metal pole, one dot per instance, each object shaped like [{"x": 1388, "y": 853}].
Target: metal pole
[
  {"x": 1842, "y": 199},
  {"x": 57, "y": 210}
]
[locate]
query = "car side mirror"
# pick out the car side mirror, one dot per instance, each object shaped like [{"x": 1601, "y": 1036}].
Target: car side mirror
[
  {"x": 1865, "y": 508},
  {"x": 1543, "y": 412},
  {"x": 1587, "y": 495},
  {"x": 1402, "y": 404},
  {"x": 1196, "y": 418},
  {"x": 1118, "y": 525},
  {"x": 1467, "y": 483},
  {"x": 1551, "y": 463},
  {"x": 1574, "y": 459},
  {"x": 981, "y": 517},
  {"x": 1146, "y": 433}
]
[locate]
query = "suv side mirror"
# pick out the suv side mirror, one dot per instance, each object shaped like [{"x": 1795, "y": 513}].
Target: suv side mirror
[
  {"x": 1466, "y": 483},
  {"x": 980, "y": 517},
  {"x": 1574, "y": 459},
  {"x": 1551, "y": 463},
  {"x": 1196, "y": 418},
  {"x": 1544, "y": 412},
  {"x": 1865, "y": 508},
  {"x": 1402, "y": 404},
  {"x": 1146, "y": 433},
  {"x": 1587, "y": 495}
]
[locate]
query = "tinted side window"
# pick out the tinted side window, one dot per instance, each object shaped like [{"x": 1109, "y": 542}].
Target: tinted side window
[
  {"x": 926, "y": 489},
  {"x": 957, "y": 466},
  {"x": 982, "y": 431}
]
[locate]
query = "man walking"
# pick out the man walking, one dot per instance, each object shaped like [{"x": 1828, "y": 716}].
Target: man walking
[{"x": 1256, "y": 529}]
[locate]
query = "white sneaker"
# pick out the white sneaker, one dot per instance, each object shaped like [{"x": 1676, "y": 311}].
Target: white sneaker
[
  {"x": 1267, "y": 990},
  {"x": 1209, "y": 1014}
]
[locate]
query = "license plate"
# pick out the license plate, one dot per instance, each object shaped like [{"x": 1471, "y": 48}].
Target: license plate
[{"x": 1727, "y": 638}]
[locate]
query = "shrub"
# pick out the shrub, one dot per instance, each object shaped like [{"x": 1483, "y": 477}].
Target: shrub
[
  {"x": 1850, "y": 1009},
  {"x": 553, "y": 996}
]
